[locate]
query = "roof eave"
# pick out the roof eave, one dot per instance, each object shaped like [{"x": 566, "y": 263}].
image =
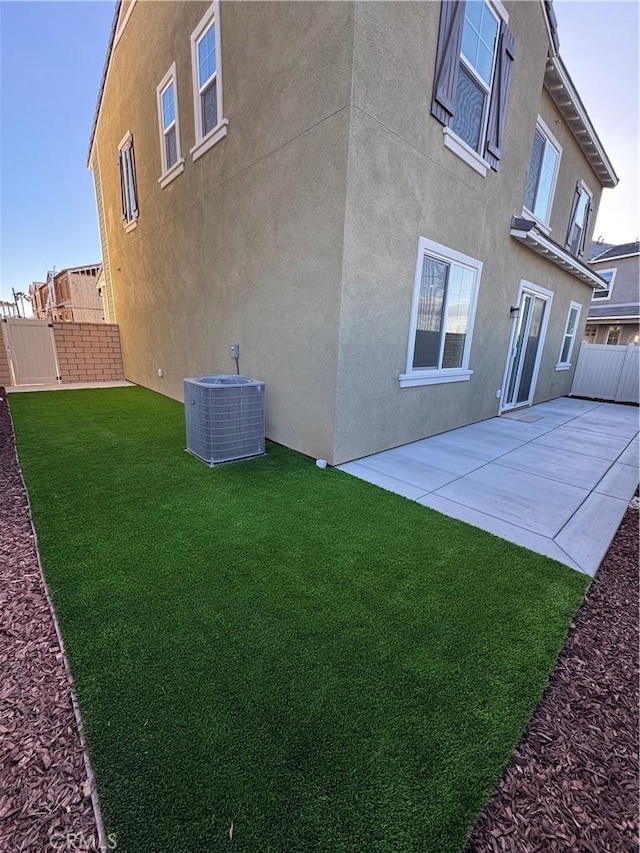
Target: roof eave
[
  {"x": 527, "y": 233},
  {"x": 601, "y": 318},
  {"x": 561, "y": 88},
  {"x": 114, "y": 27}
]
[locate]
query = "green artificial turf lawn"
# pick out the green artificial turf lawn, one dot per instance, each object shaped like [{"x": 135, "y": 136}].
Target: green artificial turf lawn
[{"x": 325, "y": 665}]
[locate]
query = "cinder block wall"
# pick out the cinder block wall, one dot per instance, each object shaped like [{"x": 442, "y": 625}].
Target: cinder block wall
[{"x": 88, "y": 352}]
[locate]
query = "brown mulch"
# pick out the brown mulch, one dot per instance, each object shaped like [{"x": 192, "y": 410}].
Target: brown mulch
[
  {"x": 572, "y": 783},
  {"x": 45, "y": 786}
]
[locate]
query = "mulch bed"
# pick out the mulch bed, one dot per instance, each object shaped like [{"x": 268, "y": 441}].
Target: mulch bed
[
  {"x": 572, "y": 783},
  {"x": 45, "y": 790}
]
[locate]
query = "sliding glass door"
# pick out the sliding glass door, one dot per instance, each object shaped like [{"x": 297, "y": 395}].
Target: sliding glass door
[{"x": 527, "y": 342}]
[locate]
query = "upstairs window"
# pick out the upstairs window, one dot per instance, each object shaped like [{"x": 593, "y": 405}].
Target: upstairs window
[
  {"x": 543, "y": 171},
  {"x": 168, "y": 121},
  {"x": 477, "y": 58},
  {"x": 128, "y": 191},
  {"x": 210, "y": 125},
  {"x": 444, "y": 301},
  {"x": 568, "y": 340},
  {"x": 609, "y": 276},
  {"x": 472, "y": 78},
  {"x": 579, "y": 220}
]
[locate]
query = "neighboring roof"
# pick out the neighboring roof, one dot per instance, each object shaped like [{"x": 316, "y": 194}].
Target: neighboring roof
[
  {"x": 630, "y": 311},
  {"x": 598, "y": 249},
  {"x": 78, "y": 269},
  {"x": 624, "y": 250},
  {"x": 556, "y": 80},
  {"x": 527, "y": 232}
]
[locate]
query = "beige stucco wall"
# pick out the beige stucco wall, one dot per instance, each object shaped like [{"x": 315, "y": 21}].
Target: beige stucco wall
[
  {"x": 598, "y": 332},
  {"x": 86, "y": 303},
  {"x": 625, "y": 291},
  {"x": 246, "y": 245},
  {"x": 404, "y": 184},
  {"x": 626, "y": 285},
  {"x": 296, "y": 235}
]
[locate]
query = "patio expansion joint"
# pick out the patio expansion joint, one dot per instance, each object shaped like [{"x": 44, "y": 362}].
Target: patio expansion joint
[
  {"x": 496, "y": 461},
  {"x": 494, "y": 517},
  {"x": 551, "y": 480},
  {"x": 594, "y": 491},
  {"x": 390, "y": 477},
  {"x": 485, "y": 463}
]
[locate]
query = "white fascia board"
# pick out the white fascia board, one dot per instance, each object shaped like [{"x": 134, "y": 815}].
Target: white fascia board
[{"x": 542, "y": 246}]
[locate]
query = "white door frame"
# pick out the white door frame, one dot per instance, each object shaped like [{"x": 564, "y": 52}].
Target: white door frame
[{"x": 542, "y": 293}]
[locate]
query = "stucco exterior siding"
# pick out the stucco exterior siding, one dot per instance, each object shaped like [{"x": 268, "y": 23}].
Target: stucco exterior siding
[
  {"x": 624, "y": 300},
  {"x": 573, "y": 167},
  {"x": 296, "y": 235},
  {"x": 397, "y": 194},
  {"x": 404, "y": 184},
  {"x": 626, "y": 286},
  {"x": 246, "y": 245}
]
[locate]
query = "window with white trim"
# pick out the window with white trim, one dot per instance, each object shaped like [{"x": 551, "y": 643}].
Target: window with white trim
[
  {"x": 579, "y": 219},
  {"x": 475, "y": 75},
  {"x": 444, "y": 302},
  {"x": 569, "y": 337},
  {"x": 543, "y": 171},
  {"x": 613, "y": 335},
  {"x": 169, "y": 127},
  {"x": 210, "y": 125},
  {"x": 474, "y": 58},
  {"x": 128, "y": 190},
  {"x": 609, "y": 276}
]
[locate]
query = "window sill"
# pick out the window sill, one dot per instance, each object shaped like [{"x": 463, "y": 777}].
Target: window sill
[
  {"x": 131, "y": 225},
  {"x": 465, "y": 152},
  {"x": 433, "y": 377},
  {"x": 210, "y": 139},
  {"x": 563, "y": 366},
  {"x": 173, "y": 172},
  {"x": 528, "y": 214}
]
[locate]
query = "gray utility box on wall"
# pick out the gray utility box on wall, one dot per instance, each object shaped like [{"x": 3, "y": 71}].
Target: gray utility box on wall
[{"x": 224, "y": 417}]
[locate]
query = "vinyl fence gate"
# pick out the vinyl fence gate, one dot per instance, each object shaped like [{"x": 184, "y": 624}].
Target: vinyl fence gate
[
  {"x": 607, "y": 372},
  {"x": 31, "y": 349}
]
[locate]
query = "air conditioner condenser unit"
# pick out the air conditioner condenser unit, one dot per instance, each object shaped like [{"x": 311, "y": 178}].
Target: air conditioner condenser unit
[{"x": 224, "y": 417}]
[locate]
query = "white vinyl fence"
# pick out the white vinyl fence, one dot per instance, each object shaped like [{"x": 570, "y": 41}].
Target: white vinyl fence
[{"x": 607, "y": 372}]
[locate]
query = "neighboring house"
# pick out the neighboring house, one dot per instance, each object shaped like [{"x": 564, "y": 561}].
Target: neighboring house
[
  {"x": 385, "y": 204},
  {"x": 106, "y": 298},
  {"x": 69, "y": 296},
  {"x": 38, "y": 297},
  {"x": 614, "y": 314}
]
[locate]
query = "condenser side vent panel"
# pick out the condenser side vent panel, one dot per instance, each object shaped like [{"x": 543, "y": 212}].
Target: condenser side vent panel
[{"x": 224, "y": 417}]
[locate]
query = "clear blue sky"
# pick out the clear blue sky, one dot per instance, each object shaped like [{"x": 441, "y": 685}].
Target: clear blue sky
[
  {"x": 52, "y": 56},
  {"x": 51, "y": 60}
]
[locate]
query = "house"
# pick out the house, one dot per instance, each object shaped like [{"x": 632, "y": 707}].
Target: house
[
  {"x": 69, "y": 296},
  {"x": 106, "y": 298},
  {"x": 614, "y": 314},
  {"x": 38, "y": 298},
  {"x": 386, "y": 205}
]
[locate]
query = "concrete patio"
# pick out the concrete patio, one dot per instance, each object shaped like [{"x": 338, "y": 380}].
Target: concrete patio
[{"x": 555, "y": 478}]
